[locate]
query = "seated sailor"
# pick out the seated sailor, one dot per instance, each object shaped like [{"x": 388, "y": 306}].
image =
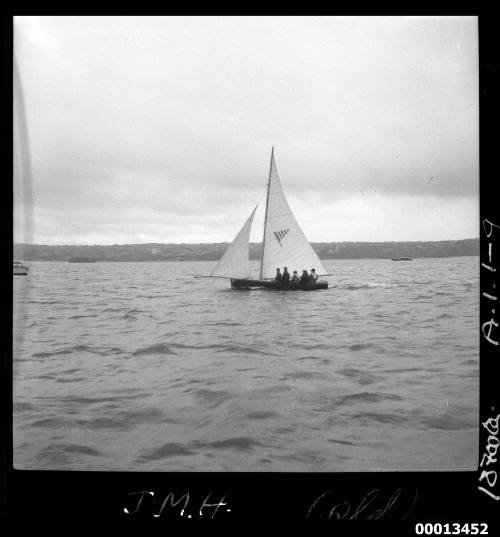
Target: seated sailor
[
  {"x": 278, "y": 275},
  {"x": 313, "y": 276},
  {"x": 295, "y": 277},
  {"x": 304, "y": 279}
]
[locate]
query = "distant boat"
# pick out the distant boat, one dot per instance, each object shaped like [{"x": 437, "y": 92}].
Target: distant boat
[
  {"x": 81, "y": 260},
  {"x": 284, "y": 245},
  {"x": 20, "y": 269},
  {"x": 401, "y": 259}
]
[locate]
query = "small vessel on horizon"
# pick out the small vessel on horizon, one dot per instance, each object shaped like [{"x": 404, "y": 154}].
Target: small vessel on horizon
[
  {"x": 81, "y": 260},
  {"x": 20, "y": 269},
  {"x": 284, "y": 245},
  {"x": 401, "y": 259}
]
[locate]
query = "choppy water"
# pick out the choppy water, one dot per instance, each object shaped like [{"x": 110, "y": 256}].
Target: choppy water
[{"x": 139, "y": 366}]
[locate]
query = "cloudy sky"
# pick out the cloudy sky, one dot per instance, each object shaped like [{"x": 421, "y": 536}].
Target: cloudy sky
[{"x": 160, "y": 129}]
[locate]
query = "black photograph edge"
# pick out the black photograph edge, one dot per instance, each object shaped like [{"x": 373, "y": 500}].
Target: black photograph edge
[{"x": 398, "y": 498}]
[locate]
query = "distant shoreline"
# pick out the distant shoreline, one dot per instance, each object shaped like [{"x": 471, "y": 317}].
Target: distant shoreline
[
  {"x": 213, "y": 251},
  {"x": 213, "y": 260}
]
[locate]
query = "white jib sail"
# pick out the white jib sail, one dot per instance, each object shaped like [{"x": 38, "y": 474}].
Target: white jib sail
[
  {"x": 285, "y": 244},
  {"x": 235, "y": 263}
]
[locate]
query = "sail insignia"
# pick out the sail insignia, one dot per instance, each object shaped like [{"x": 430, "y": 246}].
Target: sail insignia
[{"x": 280, "y": 235}]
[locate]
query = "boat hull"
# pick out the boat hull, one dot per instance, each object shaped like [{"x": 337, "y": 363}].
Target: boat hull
[
  {"x": 20, "y": 270},
  {"x": 275, "y": 285}
]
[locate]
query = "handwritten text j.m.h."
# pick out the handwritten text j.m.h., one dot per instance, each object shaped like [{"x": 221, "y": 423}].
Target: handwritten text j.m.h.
[{"x": 181, "y": 505}]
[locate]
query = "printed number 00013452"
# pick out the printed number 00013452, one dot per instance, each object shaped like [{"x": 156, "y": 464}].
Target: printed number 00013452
[{"x": 454, "y": 528}]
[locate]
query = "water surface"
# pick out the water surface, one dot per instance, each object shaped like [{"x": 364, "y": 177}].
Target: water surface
[{"x": 140, "y": 366}]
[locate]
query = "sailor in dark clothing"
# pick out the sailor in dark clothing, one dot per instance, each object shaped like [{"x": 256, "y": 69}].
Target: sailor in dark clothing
[
  {"x": 304, "y": 279},
  {"x": 278, "y": 275},
  {"x": 313, "y": 276},
  {"x": 294, "y": 280},
  {"x": 285, "y": 279}
]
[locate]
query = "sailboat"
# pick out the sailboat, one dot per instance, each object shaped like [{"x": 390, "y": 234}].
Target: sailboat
[{"x": 284, "y": 245}]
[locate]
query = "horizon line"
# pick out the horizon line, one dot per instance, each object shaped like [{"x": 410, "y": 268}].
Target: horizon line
[{"x": 228, "y": 242}]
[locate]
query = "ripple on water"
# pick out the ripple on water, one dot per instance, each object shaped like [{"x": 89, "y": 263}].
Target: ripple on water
[
  {"x": 300, "y": 375},
  {"x": 212, "y": 398},
  {"x": 54, "y": 453},
  {"x": 159, "y": 348},
  {"x": 367, "y": 397},
  {"x": 170, "y": 449},
  {"x": 70, "y": 350},
  {"x": 448, "y": 422},
  {"x": 241, "y": 443},
  {"x": 362, "y": 377},
  {"x": 261, "y": 415}
]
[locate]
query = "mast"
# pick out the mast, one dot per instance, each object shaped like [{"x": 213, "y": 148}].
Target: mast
[{"x": 267, "y": 206}]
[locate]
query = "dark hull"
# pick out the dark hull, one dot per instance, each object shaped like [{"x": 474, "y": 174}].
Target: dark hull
[
  {"x": 276, "y": 286},
  {"x": 401, "y": 259}
]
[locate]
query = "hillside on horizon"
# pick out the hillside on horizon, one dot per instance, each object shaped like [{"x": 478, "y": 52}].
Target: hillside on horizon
[{"x": 213, "y": 251}]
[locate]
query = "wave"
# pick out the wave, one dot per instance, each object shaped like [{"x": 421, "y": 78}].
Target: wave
[
  {"x": 228, "y": 348},
  {"x": 403, "y": 370},
  {"x": 241, "y": 443},
  {"x": 307, "y": 358},
  {"x": 159, "y": 348},
  {"x": 21, "y": 406},
  {"x": 260, "y": 415},
  {"x": 212, "y": 398},
  {"x": 69, "y": 350},
  {"x": 224, "y": 323},
  {"x": 94, "y": 400},
  {"x": 65, "y": 380},
  {"x": 51, "y": 423},
  {"x": 300, "y": 375},
  {"x": 378, "y": 417},
  {"x": 447, "y": 422},
  {"x": 126, "y": 420},
  {"x": 240, "y": 349},
  {"x": 334, "y": 441},
  {"x": 171, "y": 348},
  {"x": 170, "y": 449},
  {"x": 104, "y": 423},
  {"x": 46, "y": 302},
  {"x": 363, "y": 377},
  {"x": 368, "y": 397},
  {"x": 360, "y": 346},
  {"x": 78, "y": 449},
  {"x": 129, "y": 316},
  {"x": 112, "y": 310},
  {"x": 368, "y": 285}
]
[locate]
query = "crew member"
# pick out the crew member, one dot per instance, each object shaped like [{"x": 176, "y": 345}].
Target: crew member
[
  {"x": 285, "y": 279},
  {"x": 313, "y": 276},
  {"x": 304, "y": 279},
  {"x": 278, "y": 275}
]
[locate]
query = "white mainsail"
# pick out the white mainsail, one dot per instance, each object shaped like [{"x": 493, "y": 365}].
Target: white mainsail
[
  {"x": 235, "y": 263},
  {"x": 285, "y": 244}
]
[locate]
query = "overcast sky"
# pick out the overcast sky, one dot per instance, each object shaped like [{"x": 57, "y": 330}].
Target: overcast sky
[{"x": 160, "y": 129}]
